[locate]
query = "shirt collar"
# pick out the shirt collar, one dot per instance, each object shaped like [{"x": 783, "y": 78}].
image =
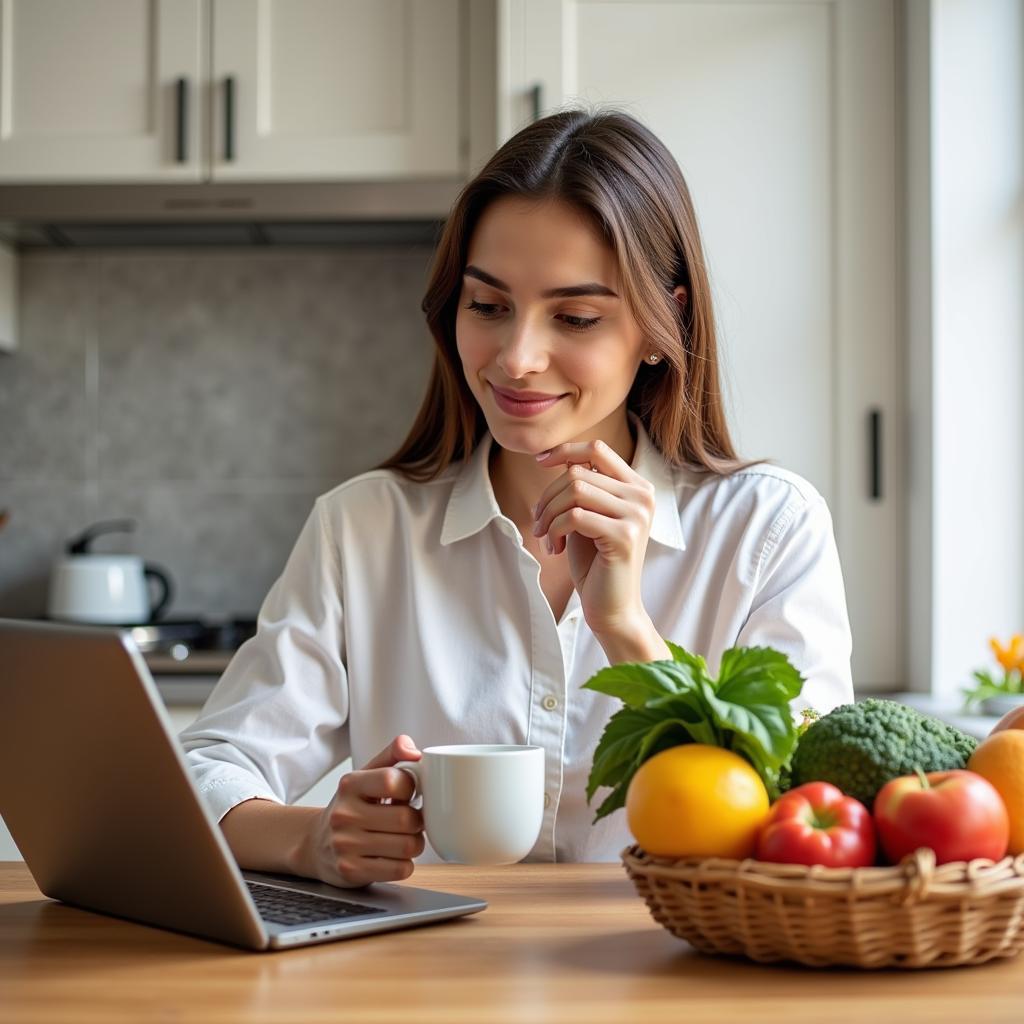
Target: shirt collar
[{"x": 472, "y": 504}]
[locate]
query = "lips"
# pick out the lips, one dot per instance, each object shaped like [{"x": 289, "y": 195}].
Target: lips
[{"x": 524, "y": 403}]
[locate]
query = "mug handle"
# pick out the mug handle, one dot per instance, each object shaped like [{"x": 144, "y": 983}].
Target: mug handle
[
  {"x": 415, "y": 769},
  {"x": 151, "y": 571}
]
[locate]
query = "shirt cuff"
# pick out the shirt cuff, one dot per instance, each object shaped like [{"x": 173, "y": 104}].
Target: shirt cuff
[{"x": 228, "y": 790}]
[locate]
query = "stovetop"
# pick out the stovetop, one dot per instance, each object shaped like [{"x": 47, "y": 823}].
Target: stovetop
[{"x": 201, "y": 646}]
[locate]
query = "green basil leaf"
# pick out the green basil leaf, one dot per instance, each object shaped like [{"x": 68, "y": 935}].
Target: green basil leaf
[
  {"x": 636, "y": 684},
  {"x": 743, "y": 668},
  {"x": 615, "y": 799},
  {"x": 751, "y": 701},
  {"x": 671, "y": 732},
  {"x": 618, "y": 746},
  {"x": 695, "y": 661}
]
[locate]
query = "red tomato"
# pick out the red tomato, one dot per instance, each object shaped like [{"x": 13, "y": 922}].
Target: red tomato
[
  {"x": 959, "y": 814},
  {"x": 816, "y": 823}
]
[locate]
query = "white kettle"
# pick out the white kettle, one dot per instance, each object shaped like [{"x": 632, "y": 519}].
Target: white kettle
[{"x": 112, "y": 589}]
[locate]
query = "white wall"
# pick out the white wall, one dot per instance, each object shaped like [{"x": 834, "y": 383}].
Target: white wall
[{"x": 977, "y": 319}]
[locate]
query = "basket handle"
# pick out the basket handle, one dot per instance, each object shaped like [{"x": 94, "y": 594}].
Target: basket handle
[{"x": 919, "y": 871}]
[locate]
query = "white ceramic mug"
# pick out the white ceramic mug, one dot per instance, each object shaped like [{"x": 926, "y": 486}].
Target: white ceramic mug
[{"x": 482, "y": 803}]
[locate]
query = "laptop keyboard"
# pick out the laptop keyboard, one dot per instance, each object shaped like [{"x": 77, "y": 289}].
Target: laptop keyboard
[{"x": 288, "y": 906}]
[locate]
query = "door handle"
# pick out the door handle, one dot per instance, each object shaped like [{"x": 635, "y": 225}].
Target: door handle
[
  {"x": 181, "y": 120},
  {"x": 229, "y": 117},
  {"x": 875, "y": 450},
  {"x": 536, "y": 100}
]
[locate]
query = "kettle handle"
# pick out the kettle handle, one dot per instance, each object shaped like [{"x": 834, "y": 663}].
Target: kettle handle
[
  {"x": 156, "y": 572},
  {"x": 80, "y": 544}
]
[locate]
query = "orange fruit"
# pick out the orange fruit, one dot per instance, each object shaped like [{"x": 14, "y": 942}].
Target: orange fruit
[
  {"x": 697, "y": 800},
  {"x": 1000, "y": 759},
  {"x": 1011, "y": 720}
]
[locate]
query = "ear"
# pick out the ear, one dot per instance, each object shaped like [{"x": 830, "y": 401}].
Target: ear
[{"x": 681, "y": 295}]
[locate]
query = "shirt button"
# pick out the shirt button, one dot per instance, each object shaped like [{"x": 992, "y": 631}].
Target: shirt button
[
  {"x": 547, "y": 799},
  {"x": 549, "y": 703}
]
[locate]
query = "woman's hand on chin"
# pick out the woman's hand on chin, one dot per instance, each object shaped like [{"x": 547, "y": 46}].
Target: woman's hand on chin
[{"x": 599, "y": 512}]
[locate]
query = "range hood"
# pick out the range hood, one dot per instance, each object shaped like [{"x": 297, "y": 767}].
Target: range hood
[{"x": 314, "y": 213}]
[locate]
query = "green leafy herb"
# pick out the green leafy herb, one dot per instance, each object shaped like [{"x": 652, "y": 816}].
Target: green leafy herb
[
  {"x": 668, "y": 703},
  {"x": 1008, "y": 684}
]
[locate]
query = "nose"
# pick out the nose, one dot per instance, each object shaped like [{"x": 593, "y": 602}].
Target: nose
[{"x": 523, "y": 350}]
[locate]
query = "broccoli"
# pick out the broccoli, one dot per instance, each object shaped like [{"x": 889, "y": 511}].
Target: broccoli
[{"x": 860, "y": 747}]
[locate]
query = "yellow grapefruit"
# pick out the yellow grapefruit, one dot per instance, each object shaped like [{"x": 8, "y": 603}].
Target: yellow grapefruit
[
  {"x": 697, "y": 801},
  {"x": 1000, "y": 759}
]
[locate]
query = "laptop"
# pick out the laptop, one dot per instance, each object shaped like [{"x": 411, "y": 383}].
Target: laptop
[{"x": 98, "y": 796}]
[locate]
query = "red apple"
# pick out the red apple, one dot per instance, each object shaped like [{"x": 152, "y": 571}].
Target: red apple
[
  {"x": 1013, "y": 719},
  {"x": 959, "y": 814}
]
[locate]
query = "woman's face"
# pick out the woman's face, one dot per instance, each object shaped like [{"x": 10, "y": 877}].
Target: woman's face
[{"x": 576, "y": 354}]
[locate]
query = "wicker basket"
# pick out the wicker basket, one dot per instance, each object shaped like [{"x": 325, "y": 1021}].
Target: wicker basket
[{"x": 915, "y": 914}]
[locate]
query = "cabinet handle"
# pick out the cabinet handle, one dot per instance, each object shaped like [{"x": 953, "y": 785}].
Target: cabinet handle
[
  {"x": 229, "y": 117},
  {"x": 537, "y": 100},
  {"x": 181, "y": 107},
  {"x": 875, "y": 444}
]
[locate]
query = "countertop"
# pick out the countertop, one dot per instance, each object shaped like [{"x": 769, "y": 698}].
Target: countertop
[
  {"x": 184, "y": 690},
  {"x": 559, "y": 942}
]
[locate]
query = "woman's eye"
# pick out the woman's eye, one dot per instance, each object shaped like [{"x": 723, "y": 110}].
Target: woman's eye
[
  {"x": 483, "y": 309},
  {"x": 488, "y": 311},
  {"x": 581, "y": 323}
]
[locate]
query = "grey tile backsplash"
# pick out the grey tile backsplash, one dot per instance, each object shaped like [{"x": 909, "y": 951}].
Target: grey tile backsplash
[{"x": 209, "y": 394}]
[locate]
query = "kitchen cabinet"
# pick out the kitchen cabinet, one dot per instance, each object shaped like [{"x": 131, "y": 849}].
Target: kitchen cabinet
[
  {"x": 327, "y": 89},
  {"x": 229, "y": 90},
  {"x": 108, "y": 90},
  {"x": 782, "y": 117}
]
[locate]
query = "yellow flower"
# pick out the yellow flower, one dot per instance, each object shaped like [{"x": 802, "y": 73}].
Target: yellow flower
[{"x": 1011, "y": 656}]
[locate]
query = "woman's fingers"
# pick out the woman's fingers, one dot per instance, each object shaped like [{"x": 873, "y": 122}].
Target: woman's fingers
[
  {"x": 364, "y": 870},
  {"x": 388, "y": 845},
  {"x": 622, "y": 482},
  {"x": 598, "y": 454},
  {"x": 579, "y": 493},
  {"x": 610, "y": 536},
  {"x": 363, "y": 856},
  {"x": 401, "y": 748},
  {"x": 378, "y": 784},
  {"x": 396, "y": 818},
  {"x": 372, "y": 842},
  {"x": 578, "y": 485}
]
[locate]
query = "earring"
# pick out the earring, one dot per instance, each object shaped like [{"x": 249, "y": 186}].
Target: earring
[{"x": 653, "y": 357}]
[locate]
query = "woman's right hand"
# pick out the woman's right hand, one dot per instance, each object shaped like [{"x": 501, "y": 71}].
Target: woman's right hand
[{"x": 356, "y": 839}]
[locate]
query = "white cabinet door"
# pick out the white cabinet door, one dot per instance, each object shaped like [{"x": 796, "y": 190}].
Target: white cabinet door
[
  {"x": 97, "y": 92},
  {"x": 781, "y": 115},
  {"x": 335, "y": 89}
]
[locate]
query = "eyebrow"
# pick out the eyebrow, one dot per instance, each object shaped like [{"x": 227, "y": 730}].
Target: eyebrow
[{"x": 590, "y": 288}]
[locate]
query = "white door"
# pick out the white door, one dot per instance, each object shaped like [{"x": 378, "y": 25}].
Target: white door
[
  {"x": 104, "y": 91},
  {"x": 781, "y": 115},
  {"x": 335, "y": 89}
]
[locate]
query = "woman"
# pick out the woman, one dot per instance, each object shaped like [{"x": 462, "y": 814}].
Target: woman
[{"x": 568, "y": 496}]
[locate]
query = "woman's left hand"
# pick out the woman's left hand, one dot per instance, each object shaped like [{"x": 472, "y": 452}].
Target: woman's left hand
[{"x": 602, "y": 520}]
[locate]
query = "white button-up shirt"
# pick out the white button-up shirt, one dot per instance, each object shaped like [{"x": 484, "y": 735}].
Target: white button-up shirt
[{"x": 414, "y": 608}]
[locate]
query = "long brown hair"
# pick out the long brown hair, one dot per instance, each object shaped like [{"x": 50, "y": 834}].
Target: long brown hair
[{"x": 614, "y": 169}]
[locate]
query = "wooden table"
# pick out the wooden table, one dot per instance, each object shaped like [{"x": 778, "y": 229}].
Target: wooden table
[{"x": 565, "y": 942}]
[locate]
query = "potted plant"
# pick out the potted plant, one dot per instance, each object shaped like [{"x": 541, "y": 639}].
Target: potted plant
[{"x": 999, "y": 692}]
